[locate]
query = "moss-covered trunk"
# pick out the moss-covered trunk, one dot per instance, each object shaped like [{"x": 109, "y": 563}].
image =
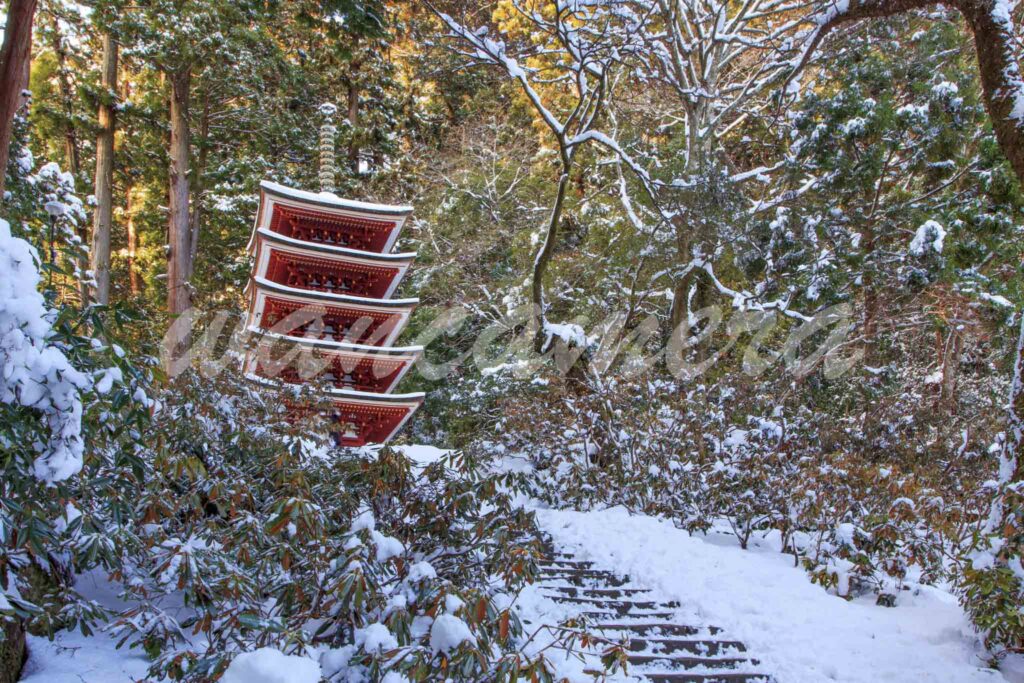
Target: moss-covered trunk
[{"x": 12, "y": 650}]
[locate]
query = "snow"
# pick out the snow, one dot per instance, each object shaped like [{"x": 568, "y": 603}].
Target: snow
[
  {"x": 421, "y": 571},
  {"x": 930, "y": 234},
  {"x": 570, "y": 333},
  {"x": 423, "y": 455},
  {"x": 268, "y": 665},
  {"x": 799, "y": 632},
  {"x": 448, "y": 632},
  {"x": 387, "y": 546},
  {"x": 376, "y": 638},
  {"x": 73, "y": 658},
  {"x": 996, "y": 299},
  {"x": 334, "y": 200},
  {"x": 34, "y": 373}
]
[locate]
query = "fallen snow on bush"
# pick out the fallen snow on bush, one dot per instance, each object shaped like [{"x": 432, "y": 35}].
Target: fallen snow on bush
[
  {"x": 801, "y": 633},
  {"x": 422, "y": 456},
  {"x": 448, "y": 632},
  {"x": 268, "y": 665},
  {"x": 33, "y": 372}
]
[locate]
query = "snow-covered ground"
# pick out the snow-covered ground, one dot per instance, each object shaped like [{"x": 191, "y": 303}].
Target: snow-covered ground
[
  {"x": 73, "y": 658},
  {"x": 801, "y": 633},
  {"x": 798, "y": 631}
]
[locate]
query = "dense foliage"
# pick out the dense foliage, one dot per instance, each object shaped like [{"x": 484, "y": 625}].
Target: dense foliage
[{"x": 778, "y": 304}]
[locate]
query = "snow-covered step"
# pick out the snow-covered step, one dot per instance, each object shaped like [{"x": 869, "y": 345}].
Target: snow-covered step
[
  {"x": 585, "y": 578},
  {"x": 612, "y": 593},
  {"x": 657, "y": 647},
  {"x": 565, "y": 564},
  {"x": 639, "y": 616},
  {"x": 703, "y": 647},
  {"x": 615, "y": 606},
  {"x": 715, "y": 677},
  {"x": 692, "y": 662},
  {"x": 656, "y": 629}
]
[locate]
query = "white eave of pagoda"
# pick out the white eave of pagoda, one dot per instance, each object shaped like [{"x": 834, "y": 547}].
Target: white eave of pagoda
[
  {"x": 411, "y": 402},
  {"x": 330, "y": 344},
  {"x": 273, "y": 194},
  {"x": 407, "y": 355},
  {"x": 260, "y": 289},
  {"x": 266, "y": 242},
  {"x": 411, "y": 399}
]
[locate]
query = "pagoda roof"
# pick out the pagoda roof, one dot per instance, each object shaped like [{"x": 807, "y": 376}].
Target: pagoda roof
[
  {"x": 365, "y": 401},
  {"x": 331, "y": 200},
  {"x": 330, "y": 298},
  {"x": 410, "y": 403},
  {"x": 331, "y": 250},
  {"x": 261, "y": 291},
  {"x": 365, "y": 397},
  {"x": 386, "y": 370},
  {"x": 272, "y": 248},
  {"x": 341, "y": 347},
  {"x": 274, "y": 194}
]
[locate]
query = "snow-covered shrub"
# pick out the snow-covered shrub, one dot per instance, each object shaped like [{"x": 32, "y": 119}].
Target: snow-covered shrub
[
  {"x": 72, "y": 409},
  {"x": 865, "y": 527},
  {"x": 360, "y": 557},
  {"x": 992, "y": 587},
  {"x": 34, "y": 372},
  {"x": 867, "y": 504}
]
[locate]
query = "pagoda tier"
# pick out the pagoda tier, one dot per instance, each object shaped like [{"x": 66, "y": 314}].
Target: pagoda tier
[
  {"x": 324, "y": 315},
  {"x": 362, "y": 417},
  {"x": 302, "y": 265},
  {"x": 325, "y": 219},
  {"x": 371, "y": 418},
  {"x": 344, "y": 366}
]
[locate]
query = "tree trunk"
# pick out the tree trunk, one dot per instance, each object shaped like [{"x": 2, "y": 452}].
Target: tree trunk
[
  {"x": 15, "y": 57},
  {"x": 677, "y": 312},
  {"x": 197, "y": 186},
  {"x": 12, "y": 650},
  {"x": 133, "y": 244},
  {"x": 103, "y": 216},
  {"x": 67, "y": 98},
  {"x": 540, "y": 263},
  {"x": 178, "y": 227},
  {"x": 353, "y": 121},
  {"x": 70, "y": 138},
  {"x": 1000, "y": 77}
]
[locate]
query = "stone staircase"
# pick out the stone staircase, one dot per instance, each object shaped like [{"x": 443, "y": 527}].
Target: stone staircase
[{"x": 658, "y": 648}]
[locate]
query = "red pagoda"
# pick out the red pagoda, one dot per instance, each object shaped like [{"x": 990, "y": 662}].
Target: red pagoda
[{"x": 321, "y": 289}]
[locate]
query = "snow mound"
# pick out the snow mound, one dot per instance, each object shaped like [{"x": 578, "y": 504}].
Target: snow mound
[
  {"x": 268, "y": 665},
  {"x": 448, "y": 632},
  {"x": 422, "y": 455},
  {"x": 376, "y": 638}
]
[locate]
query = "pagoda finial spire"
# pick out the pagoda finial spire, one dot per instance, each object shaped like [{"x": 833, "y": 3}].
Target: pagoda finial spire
[{"x": 328, "y": 132}]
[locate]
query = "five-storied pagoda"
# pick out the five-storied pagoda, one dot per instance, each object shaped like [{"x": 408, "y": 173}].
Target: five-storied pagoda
[{"x": 322, "y": 284}]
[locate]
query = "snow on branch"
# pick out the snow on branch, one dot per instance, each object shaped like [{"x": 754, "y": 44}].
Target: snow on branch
[{"x": 490, "y": 51}]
